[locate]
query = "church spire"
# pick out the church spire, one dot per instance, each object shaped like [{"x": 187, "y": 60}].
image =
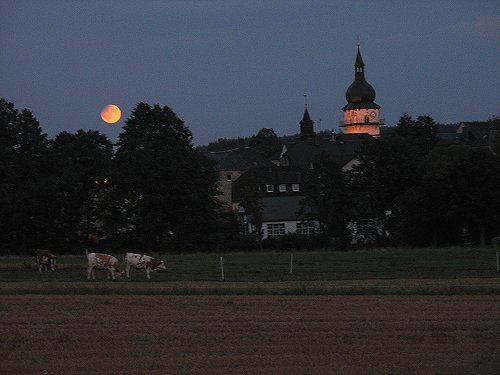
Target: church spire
[
  {"x": 306, "y": 124},
  {"x": 359, "y": 64}
]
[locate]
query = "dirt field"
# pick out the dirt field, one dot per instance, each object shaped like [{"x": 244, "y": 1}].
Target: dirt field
[{"x": 249, "y": 334}]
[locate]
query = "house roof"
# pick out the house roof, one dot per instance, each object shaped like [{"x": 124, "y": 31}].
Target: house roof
[
  {"x": 283, "y": 208},
  {"x": 237, "y": 160},
  {"x": 256, "y": 176},
  {"x": 342, "y": 149},
  {"x": 477, "y": 133}
]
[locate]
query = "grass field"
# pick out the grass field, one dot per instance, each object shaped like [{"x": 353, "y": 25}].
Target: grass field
[
  {"x": 259, "y": 335},
  {"x": 392, "y": 311},
  {"x": 383, "y": 271}
]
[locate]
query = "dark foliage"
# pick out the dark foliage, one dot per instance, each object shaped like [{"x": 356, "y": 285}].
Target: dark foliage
[
  {"x": 165, "y": 187},
  {"x": 157, "y": 192},
  {"x": 328, "y": 198}
]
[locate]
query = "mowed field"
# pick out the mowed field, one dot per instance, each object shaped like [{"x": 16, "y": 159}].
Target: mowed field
[{"x": 164, "y": 334}]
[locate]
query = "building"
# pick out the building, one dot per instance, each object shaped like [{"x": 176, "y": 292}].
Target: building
[
  {"x": 279, "y": 187},
  {"x": 478, "y": 133},
  {"x": 361, "y": 113},
  {"x": 279, "y": 192},
  {"x": 231, "y": 164}
]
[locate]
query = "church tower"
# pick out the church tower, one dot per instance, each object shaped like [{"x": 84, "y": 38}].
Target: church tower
[
  {"x": 361, "y": 113},
  {"x": 306, "y": 126}
]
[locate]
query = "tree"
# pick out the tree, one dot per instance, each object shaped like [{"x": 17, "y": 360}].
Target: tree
[
  {"x": 80, "y": 174},
  {"x": 391, "y": 166},
  {"x": 494, "y": 122},
  {"x": 165, "y": 185},
  {"x": 327, "y": 195},
  {"x": 267, "y": 142},
  {"x": 23, "y": 150},
  {"x": 458, "y": 192},
  {"x": 253, "y": 209},
  {"x": 419, "y": 136},
  {"x": 224, "y": 144}
]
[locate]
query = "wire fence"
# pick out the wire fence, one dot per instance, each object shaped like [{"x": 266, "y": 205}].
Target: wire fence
[{"x": 283, "y": 266}]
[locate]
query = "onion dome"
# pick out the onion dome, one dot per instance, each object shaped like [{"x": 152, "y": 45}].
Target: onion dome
[{"x": 360, "y": 94}]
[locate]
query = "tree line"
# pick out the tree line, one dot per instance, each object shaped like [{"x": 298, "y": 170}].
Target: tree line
[
  {"x": 421, "y": 190},
  {"x": 78, "y": 190},
  {"x": 154, "y": 190}
]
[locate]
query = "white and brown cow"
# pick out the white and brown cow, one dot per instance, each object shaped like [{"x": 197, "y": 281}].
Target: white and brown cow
[
  {"x": 143, "y": 262},
  {"x": 45, "y": 259},
  {"x": 106, "y": 262}
]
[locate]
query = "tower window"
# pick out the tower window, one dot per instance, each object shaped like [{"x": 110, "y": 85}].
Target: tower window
[
  {"x": 367, "y": 119},
  {"x": 229, "y": 177}
]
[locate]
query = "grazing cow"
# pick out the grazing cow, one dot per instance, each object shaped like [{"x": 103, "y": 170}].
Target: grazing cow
[
  {"x": 143, "y": 262},
  {"x": 45, "y": 259},
  {"x": 103, "y": 262}
]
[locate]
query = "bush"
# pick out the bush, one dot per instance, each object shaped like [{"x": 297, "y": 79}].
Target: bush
[{"x": 299, "y": 242}]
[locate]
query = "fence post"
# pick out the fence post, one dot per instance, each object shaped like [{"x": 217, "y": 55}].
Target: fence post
[
  {"x": 222, "y": 268},
  {"x": 495, "y": 246},
  {"x": 291, "y": 263}
]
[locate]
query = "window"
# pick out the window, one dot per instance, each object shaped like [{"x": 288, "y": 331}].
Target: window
[
  {"x": 282, "y": 188},
  {"x": 274, "y": 230},
  {"x": 306, "y": 228},
  {"x": 269, "y": 188},
  {"x": 295, "y": 187},
  {"x": 229, "y": 177}
]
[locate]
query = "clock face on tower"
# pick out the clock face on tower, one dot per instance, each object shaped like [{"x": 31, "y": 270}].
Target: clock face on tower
[{"x": 373, "y": 114}]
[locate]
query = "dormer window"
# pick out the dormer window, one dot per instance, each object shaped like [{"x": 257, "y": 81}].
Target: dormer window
[
  {"x": 270, "y": 188},
  {"x": 295, "y": 187},
  {"x": 282, "y": 188}
]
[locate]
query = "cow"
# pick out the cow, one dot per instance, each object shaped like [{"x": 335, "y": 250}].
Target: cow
[
  {"x": 143, "y": 262},
  {"x": 45, "y": 259},
  {"x": 103, "y": 262}
]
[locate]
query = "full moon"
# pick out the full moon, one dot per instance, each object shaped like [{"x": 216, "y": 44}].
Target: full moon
[{"x": 111, "y": 114}]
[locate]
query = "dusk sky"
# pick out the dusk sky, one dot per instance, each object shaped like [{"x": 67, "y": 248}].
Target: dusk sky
[{"x": 231, "y": 68}]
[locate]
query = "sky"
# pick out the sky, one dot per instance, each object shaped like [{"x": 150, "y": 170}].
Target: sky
[{"x": 230, "y": 68}]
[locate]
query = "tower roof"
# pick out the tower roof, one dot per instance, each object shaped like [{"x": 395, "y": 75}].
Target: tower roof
[
  {"x": 306, "y": 125},
  {"x": 360, "y": 94},
  {"x": 306, "y": 119},
  {"x": 359, "y": 59}
]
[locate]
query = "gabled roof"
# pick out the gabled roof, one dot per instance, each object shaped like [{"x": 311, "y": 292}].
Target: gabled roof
[
  {"x": 342, "y": 149},
  {"x": 281, "y": 208},
  {"x": 477, "y": 133},
  {"x": 237, "y": 160},
  {"x": 448, "y": 132},
  {"x": 256, "y": 176},
  {"x": 448, "y": 128}
]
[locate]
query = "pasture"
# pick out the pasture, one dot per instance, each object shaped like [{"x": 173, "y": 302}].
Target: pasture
[
  {"x": 382, "y": 271},
  {"x": 387, "y": 311}
]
